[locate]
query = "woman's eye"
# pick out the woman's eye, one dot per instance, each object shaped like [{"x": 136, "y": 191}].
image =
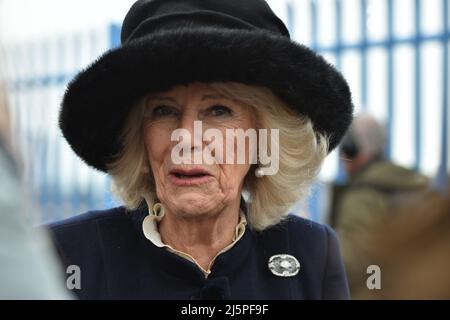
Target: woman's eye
[
  {"x": 219, "y": 111},
  {"x": 164, "y": 111}
]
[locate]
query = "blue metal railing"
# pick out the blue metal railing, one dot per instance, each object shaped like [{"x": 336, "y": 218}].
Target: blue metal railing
[
  {"x": 389, "y": 43},
  {"x": 443, "y": 168}
]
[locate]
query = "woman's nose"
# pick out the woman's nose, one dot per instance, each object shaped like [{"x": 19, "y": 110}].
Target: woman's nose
[
  {"x": 188, "y": 122},
  {"x": 191, "y": 125}
]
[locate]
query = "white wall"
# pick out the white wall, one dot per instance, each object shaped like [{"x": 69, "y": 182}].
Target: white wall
[{"x": 27, "y": 19}]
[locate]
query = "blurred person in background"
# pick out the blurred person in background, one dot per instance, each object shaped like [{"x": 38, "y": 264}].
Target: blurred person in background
[
  {"x": 28, "y": 267},
  {"x": 375, "y": 187},
  {"x": 412, "y": 250}
]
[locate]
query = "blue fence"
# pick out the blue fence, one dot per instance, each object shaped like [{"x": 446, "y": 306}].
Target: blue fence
[
  {"x": 423, "y": 111},
  {"x": 394, "y": 53},
  {"x": 60, "y": 184}
]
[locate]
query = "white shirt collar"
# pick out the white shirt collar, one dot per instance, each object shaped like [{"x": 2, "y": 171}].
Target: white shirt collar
[{"x": 150, "y": 229}]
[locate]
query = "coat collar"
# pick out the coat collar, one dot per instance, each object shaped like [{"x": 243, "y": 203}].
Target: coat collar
[
  {"x": 150, "y": 230},
  {"x": 225, "y": 263}
]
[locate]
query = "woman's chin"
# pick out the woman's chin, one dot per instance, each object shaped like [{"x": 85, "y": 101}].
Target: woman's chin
[{"x": 194, "y": 204}]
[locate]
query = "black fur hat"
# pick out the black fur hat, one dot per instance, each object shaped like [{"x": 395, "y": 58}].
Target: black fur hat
[{"x": 175, "y": 42}]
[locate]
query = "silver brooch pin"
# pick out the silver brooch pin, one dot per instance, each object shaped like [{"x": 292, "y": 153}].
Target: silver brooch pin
[{"x": 284, "y": 265}]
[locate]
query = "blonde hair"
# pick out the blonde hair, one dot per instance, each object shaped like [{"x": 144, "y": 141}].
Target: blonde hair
[{"x": 301, "y": 153}]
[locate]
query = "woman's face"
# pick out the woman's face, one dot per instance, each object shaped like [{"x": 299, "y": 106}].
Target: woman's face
[{"x": 192, "y": 189}]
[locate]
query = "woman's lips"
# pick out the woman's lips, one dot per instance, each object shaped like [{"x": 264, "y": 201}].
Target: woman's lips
[{"x": 181, "y": 177}]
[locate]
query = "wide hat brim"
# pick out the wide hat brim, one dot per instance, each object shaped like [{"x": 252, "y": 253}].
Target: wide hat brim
[{"x": 98, "y": 100}]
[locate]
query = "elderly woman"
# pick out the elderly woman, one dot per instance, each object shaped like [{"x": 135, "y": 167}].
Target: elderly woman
[{"x": 204, "y": 229}]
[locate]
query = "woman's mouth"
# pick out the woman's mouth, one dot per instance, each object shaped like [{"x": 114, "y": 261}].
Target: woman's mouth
[{"x": 182, "y": 177}]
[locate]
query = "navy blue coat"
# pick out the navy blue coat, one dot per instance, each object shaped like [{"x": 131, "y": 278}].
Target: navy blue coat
[{"x": 117, "y": 261}]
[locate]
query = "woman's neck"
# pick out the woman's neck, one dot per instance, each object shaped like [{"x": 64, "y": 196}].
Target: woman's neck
[{"x": 201, "y": 237}]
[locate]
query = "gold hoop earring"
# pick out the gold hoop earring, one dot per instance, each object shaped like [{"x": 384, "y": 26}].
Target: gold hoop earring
[{"x": 158, "y": 210}]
